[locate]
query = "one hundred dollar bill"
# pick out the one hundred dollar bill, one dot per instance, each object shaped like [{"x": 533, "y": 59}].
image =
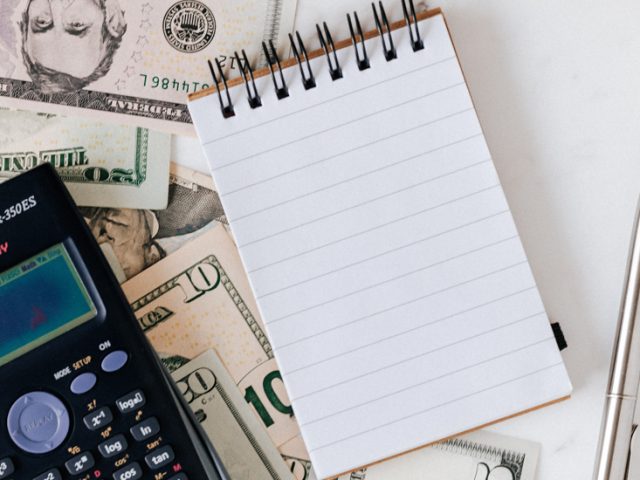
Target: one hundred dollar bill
[
  {"x": 242, "y": 442},
  {"x": 101, "y": 164},
  {"x": 479, "y": 455},
  {"x": 198, "y": 298},
  {"x": 138, "y": 238},
  {"x": 131, "y": 60}
]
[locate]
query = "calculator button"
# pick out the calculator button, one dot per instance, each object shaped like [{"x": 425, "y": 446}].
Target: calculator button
[
  {"x": 132, "y": 472},
  {"x": 83, "y": 383},
  {"x": 53, "y": 474},
  {"x": 146, "y": 429},
  {"x": 98, "y": 419},
  {"x": 180, "y": 476},
  {"x": 160, "y": 457},
  {"x": 80, "y": 463},
  {"x": 38, "y": 422},
  {"x": 114, "y": 361},
  {"x": 131, "y": 402},
  {"x": 113, "y": 446},
  {"x": 6, "y": 468}
]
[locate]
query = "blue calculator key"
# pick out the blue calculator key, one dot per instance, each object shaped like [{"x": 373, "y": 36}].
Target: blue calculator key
[
  {"x": 53, "y": 474},
  {"x": 131, "y": 402},
  {"x": 83, "y": 383},
  {"x": 131, "y": 472},
  {"x": 80, "y": 463},
  {"x": 6, "y": 468},
  {"x": 114, "y": 361},
  {"x": 160, "y": 458},
  {"x": 38, "y": 422}
]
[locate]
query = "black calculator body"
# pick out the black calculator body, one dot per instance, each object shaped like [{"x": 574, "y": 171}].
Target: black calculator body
[{"x": 82, "y": 393}]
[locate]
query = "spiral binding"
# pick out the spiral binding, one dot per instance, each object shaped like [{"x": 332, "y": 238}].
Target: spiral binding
[
  {"x": 512, "y": 460},
  {"x": 302, "y": 57}
]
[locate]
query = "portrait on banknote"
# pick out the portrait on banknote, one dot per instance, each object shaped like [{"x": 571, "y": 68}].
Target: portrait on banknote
[
  {"x": 140, "y": 238},
  {"x": 69, "y": 44}
]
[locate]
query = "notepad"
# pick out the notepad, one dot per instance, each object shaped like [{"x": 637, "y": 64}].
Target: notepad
[{"x": 380, "y": 247}]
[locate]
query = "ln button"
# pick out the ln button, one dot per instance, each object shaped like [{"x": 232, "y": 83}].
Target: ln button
[{"x": 145, "y": 429}]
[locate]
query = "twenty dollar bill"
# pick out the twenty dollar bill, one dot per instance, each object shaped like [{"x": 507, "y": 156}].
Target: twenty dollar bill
[
  {"x": 101, "y": 164},
  {"x": 134, "y": 60},
  {"x": 241, "y": 441}
]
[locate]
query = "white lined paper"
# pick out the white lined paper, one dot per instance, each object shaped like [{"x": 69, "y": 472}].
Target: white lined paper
[{"x": 382, "y": 253}]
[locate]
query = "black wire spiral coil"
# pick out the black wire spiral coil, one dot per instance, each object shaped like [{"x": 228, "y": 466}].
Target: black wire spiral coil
[{"x": 301, "y": 56}]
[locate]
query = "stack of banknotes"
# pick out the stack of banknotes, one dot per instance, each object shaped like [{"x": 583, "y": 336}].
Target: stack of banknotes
[{"x": 97, "y": 88}]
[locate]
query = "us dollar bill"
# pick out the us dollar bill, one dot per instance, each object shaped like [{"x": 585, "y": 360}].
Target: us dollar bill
[
  {"x": 138, "y": 238},
  {"x": 479, "y": 455},
  {"x": 199, "y": 298},
  {"x": 101, "y": 164},
  {"x": 133, "y": 60},
  {"x": 242, "y": 442}
]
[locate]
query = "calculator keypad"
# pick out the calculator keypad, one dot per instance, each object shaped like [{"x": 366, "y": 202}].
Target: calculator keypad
[{"x": 43, "y": 419}]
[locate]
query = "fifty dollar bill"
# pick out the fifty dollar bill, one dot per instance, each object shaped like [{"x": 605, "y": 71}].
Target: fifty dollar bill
[
  {"x": 241, "y": 441},
  {"x": 133, "y": 60},
  {"x": 198, "y": 298},
  {"x": 101, "y": 164}
]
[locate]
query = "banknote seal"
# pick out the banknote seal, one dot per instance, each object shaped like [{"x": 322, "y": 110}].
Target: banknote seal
[{"x": 189, "y": 26}]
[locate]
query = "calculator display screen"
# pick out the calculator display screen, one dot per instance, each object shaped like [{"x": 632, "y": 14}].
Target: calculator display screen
[{"x": 40, "y": 299}]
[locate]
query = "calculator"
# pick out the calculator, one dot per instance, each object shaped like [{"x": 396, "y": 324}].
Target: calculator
[{"x": 82, "y": 393}]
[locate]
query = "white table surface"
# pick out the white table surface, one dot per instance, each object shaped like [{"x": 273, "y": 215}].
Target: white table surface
[{"x": 556, "y": 88}]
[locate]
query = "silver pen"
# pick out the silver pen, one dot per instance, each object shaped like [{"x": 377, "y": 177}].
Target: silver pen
[{"x": 614, "y": 448}]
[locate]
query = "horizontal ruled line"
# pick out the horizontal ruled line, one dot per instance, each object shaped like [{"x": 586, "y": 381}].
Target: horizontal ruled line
[
  {"x": 386, "y": 252},
  {"x": 403, "y": 304},
  {"x": 377, "y": 227},
  {"x": 398, "y": 277},
  {"x": 406, "y": 360},
  {"x": 361, "y": 204},
  {"x": 493, "y": 387},
  {"x": 333, "y": 99},
  {"x": 351, "y": 150},
  {"x": 410, "y": 330}
]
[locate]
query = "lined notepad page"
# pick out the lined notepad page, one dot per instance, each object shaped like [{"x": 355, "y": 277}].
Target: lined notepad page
[{"x": 381, "y": 250}]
